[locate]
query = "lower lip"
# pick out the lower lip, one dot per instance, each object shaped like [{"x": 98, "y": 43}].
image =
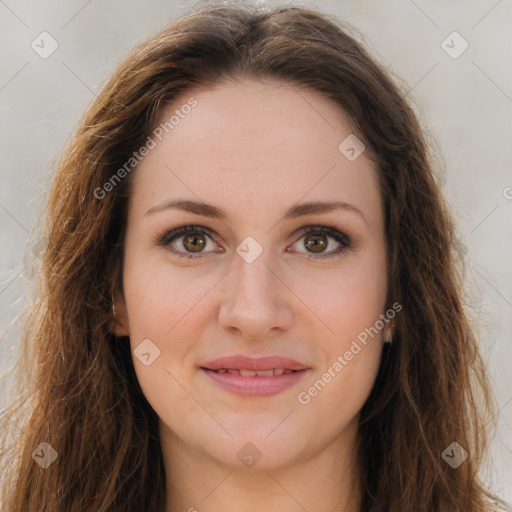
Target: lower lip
[{"x": 255, "y": 386}]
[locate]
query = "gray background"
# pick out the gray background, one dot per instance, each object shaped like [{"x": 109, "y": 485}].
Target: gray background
[{"x": 466, "y": 102}]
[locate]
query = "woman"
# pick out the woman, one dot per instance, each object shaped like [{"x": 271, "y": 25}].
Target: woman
[{"x": 249, "y": 297}]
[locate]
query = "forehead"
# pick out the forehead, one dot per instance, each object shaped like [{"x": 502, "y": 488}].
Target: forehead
[{"x": 264, "y": 145}]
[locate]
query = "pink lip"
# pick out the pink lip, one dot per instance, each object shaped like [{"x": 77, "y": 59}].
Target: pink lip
[{"x": 255, "y": 385}]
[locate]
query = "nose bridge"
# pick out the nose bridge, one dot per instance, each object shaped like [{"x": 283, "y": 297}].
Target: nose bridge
[{"x": 253, "y": 279}]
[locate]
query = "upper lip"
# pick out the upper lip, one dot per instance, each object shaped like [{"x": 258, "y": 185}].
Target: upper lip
[{"x": 241, "y": 362}]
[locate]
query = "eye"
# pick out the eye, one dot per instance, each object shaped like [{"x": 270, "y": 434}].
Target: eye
[
  {"x": 196, "y": 238},
  {"x": 316, "y": 239}
]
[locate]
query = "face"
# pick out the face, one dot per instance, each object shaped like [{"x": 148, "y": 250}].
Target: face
[{"x": 260, "y": 279}]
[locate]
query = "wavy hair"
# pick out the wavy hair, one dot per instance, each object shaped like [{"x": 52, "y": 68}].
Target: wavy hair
[{"x": 77, "y": 389}]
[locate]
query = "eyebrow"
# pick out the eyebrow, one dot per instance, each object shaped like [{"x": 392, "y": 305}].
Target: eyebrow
[{"x": 298, "y": 210}]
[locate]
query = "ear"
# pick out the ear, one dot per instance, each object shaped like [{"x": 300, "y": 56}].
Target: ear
[
  {"x": 388, "y": 330},
  {"x": 120, "y": 325}
]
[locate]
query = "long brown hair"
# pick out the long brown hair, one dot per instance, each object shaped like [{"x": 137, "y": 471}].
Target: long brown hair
[{"x": 80, "y": 393}]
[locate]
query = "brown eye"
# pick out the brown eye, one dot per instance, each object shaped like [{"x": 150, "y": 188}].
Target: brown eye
[
  {"x": 316, "y": 243},
  {"x": 194, "y": 242}
]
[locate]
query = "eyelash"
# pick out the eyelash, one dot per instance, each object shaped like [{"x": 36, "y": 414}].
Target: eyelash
[{"x": 169, "y": 236}]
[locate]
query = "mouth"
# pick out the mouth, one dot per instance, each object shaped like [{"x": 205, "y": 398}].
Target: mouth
[
  {"x": 252, "y": 373},
  {"x": 247, "y": 376}
]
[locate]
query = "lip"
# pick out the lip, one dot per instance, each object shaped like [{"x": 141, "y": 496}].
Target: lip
[
  {"x": 241, "y": 362},
  {"x": 255, "y": 385}
]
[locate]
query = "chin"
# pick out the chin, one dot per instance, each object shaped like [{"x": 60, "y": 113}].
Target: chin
[{"x": 254, "y": 450}]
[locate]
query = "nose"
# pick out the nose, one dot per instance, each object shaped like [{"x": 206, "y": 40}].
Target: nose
[{"x": 256, "y": 301}]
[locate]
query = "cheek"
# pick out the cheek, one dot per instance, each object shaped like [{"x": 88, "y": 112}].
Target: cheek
[
  {"x": 350, "y": 303},
  {"x": 345, "y": 299},
  {"x": 159, "y": 294},
  {"x": 159, "y": 301},
  {"x": 339, "y": 393},
  {"x": 352, "y": 350}
]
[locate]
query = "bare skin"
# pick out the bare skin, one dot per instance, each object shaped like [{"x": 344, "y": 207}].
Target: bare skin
[{"x": 254, "y": 150}]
